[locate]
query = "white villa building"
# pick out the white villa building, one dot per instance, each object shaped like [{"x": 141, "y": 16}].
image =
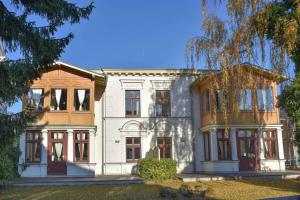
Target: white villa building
[{"x": 102, "y": 121}]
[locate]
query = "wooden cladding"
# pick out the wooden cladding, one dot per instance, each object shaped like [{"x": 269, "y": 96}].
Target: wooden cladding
[{"x": 61, "y": 87}]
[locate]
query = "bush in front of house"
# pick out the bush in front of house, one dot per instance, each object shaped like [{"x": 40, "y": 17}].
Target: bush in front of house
[{"x": 154, "y": 169}]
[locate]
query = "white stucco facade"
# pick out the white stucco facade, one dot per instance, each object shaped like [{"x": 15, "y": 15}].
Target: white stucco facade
[
  {"x": 107, "y": 138},
  {"x": 116, "y": 126}
]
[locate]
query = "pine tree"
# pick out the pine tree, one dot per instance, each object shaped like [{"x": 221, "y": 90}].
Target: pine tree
[{"x": 39, "y": 48}]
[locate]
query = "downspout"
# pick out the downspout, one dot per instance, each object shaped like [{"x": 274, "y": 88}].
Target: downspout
[
  {"x": 103, "y": 122},
  {"x": 193, "y": 129}
]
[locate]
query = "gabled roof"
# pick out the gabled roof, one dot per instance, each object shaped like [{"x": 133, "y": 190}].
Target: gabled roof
[
  {"x": 257, "y": 69},
  {"x": 99, "y": 78}
]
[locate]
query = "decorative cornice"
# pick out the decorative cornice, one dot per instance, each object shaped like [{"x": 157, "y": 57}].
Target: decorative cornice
[
  {"x": 161, "y": 84},
  {"x": 132, "y": 83}
]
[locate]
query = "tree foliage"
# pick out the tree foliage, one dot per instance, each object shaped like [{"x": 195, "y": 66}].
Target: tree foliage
[
  {"x": 251, "y": 29},
  {"x": 39, "y": 48}
]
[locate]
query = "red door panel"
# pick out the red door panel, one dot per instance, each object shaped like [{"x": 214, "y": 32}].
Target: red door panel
[{"x": 57, "y": 153}]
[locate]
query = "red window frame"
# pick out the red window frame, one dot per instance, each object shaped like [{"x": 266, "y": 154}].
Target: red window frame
[
  {"x": 269, "y": 139},
  {"x": 226, "y": 142},
  {"x": 33, "y": 141},
  {"x": 133, "y": 145},
  {"x": 164, "y": 146},
  {"x": 81, "y": 141}
]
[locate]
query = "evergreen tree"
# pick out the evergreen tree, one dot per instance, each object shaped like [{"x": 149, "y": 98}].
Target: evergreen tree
[{"x": 39, "y": 48}]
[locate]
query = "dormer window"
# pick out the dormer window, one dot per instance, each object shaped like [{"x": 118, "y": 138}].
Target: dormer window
[
  {"x": 82, "y": 99},
  {"x": 59, "y": 99},
  {"x": 35, "y": 98}
]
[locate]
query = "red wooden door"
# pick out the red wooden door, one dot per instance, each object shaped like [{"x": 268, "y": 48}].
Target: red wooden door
[
  {"x": 57, "y": 153},
  {"x": 247, "y": 149}
]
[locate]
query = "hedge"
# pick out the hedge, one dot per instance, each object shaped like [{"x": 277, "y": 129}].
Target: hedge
[{"x": 154, "y": 169}]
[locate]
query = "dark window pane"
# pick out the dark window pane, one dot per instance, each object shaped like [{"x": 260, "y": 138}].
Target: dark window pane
[
  {"x": 129, "y": 153},
  {"x": 82, "y": 99},
  {"x": 137, "y": 140},
  {"x": 77, "y": 151},
  {"x": 85, "y": 151},
  {"x": 128, "y": 140},
  {"x": 137, "y": 153},
  {"x": 58, "y": 99}
]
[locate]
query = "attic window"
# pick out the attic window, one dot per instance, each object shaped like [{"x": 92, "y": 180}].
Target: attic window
[
  {"x": 82, "y": 99},
  {"x": 35, "y": 98},
  {"x": 59, "y": 99}
]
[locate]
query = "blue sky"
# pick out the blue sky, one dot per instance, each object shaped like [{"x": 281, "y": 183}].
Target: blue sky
[{"x": 132, "y": 33}]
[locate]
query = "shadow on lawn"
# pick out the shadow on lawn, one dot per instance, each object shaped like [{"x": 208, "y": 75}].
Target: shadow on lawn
[{"x": 282, "y": 185}]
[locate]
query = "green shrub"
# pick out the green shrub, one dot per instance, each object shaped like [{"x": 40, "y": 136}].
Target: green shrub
[{"x": 154, "y": 169}]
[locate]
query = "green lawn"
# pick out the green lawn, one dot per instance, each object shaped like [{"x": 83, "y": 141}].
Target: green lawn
[{"x": 217, "y": 190}]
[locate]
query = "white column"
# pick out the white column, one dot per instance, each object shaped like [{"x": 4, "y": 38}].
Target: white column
[
  {"x": 92, "y": 145},
  {"x": 213, "y": 144},
  {"x": 261, "y": 155},
  {"x": 44, "y": 146},
  {"x": 70, "y": 145},
  {"x": 233, "y": 144},
  {"x": 280, "y": 144}
]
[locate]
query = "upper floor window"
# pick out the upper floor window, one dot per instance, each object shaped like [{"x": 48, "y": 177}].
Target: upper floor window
[
  {"x": 132, "y": 102},
  {"x": 59, "y": 99},
  {"x": 245, "y": 99},
  {"x": 265, "y": 99},
  {"x": 165, "y": 147},
  {"x": 206, "y": 101},
  {"x": 133, "y": 149},
  {"x": 33, "y": 146},
  {"x": 35, "y": 98},
  {"x": 224, "y": 149},
  {"x": 162, "y": 103},
  {"x": 219, "y": 98},
  {"x": 270, "y": 144},
  {"x": 81, "y": 145},
  {"x": 82, "y": 99}
]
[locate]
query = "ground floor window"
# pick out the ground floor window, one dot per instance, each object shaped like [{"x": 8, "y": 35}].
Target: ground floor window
[
  {"x": 165, "y": 147},
  {"x": 206, "y": 146},
  {"x": 133, "y": 149},
  {"x": 33, "y": 146},
  {"x": 270, "y": 144},
  {"x": 224, "y": 148},
  {"x": 81, "y": 146}
]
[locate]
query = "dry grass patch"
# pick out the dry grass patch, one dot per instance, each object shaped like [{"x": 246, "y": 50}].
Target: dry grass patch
[{"x": 216, "y": 190}]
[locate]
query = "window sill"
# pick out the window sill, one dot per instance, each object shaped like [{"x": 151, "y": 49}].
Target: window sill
[
  {"x": 33, "y": 163},
  {"x": 267, "y": 111},
  {"x": 58, "y": 111},
  {"x": 246, "y": 111},
  {"x": 132, "y": 161},
  {"x": 132, "y": 116},
  {"x": 81, "y": 112}
]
